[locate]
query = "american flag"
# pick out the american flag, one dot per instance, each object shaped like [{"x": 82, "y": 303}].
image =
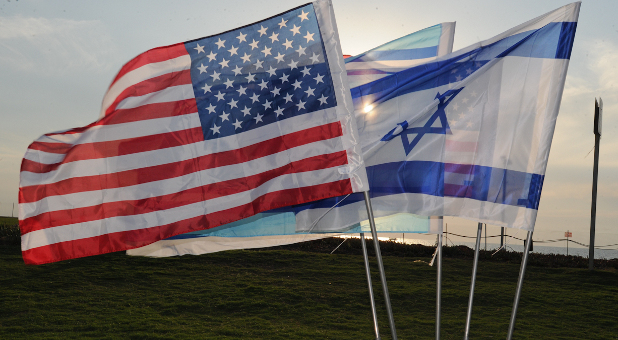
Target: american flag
[{"x": 195, "y": 135}]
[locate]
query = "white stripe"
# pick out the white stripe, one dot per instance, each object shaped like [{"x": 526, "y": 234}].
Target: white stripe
[
  {"x": 386, "y": 64},
  {"x": 143, "y": 73},
  {"x": 176, "y": 184},
  {"x": 68, "y": 138},
  {"x": 445, "y": 46},
  {"x": 107, "y": 133},
  {"x": 169, "y": 94},
  {"x": 78, "y": 231},
  {"x": 169, "y": 155}
]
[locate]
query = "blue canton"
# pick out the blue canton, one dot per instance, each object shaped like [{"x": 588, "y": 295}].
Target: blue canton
[{"x": 261, "y": 73}]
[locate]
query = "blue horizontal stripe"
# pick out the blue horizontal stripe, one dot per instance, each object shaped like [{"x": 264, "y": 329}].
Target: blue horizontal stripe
[
  {"x": 405, "y": 54},
  {"x": 495, "y": 185}
]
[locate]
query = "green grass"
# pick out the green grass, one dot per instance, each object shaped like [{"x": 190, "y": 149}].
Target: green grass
[{"x": 291, "y": 294}]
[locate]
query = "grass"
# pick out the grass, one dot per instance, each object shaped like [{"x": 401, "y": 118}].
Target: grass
[{"x": 290, "y": 293}]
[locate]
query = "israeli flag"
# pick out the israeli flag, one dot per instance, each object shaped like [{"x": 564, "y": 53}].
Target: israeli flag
[
  {"x": 279, "y": 227},
  {"x": 465, "y": 135}
]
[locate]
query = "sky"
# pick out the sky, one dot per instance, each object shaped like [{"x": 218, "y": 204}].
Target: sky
[{"x": 57, "y": 59}]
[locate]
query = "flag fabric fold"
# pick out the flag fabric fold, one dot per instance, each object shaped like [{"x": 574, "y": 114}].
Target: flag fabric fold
[
  {"x": 279, "y": 227},
  {"x": 196, "y": 135},
  {"x": 465, "y": 135}
]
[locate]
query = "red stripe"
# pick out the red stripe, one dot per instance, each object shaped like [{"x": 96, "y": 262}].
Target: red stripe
[
  {"x": 120, "y": 147},
  {"x": 154, "y": 55},
  {"x": 151, "y": 85},
  {"x": 144, "y": 112},
  {"x": 459, "y": 168},
  {"x": 34, "y": 193},
  {"x": 138, "y": 238},
  {"x": 189, "y": 196},
  {"x": 456, "y": 146}
]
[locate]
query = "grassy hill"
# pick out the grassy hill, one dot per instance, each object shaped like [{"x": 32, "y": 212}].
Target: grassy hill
[{"x": 291, "y": 293}]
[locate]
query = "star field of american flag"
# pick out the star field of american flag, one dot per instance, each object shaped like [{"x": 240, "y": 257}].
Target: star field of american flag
[{"x": 261, "y": 73}]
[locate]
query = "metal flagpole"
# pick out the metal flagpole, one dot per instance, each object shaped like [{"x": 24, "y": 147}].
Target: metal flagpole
[
  {"x": 520, "y": 282},
  {"x": 376, "y": 244},
  {"x": 474, "y": 268},
  {"x": 598, "y": 114},
  {"x": 439, "y": 287},
  {"x": 373, "y": 301}
]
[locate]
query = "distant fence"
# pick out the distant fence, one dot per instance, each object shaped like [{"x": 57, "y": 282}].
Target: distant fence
[
  {"x": 607, "y": 246},
  {"x": 8, "y": 209}
]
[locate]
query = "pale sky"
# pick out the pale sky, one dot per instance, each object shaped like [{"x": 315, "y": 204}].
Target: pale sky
[{"x": 57, "y": 59}]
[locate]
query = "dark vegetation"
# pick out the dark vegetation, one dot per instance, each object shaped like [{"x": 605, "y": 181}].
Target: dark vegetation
[{"x": 300, "y": 292}]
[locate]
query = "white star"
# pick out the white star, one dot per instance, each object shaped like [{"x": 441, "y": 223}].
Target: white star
[
  {"x": 202, "y": 68},
  {"x": 233, "y": 50},
  {"x": 211, "y": 108},
  {"x": 453, "y": 71},
  {"x": 237, "y": 70},
  {"x": 469, "y": 124},
  {"x": 296, "y": 84},
  {"x": 314, "y": 58},
  {"x": 455, "y": 107},
  {"x": 470, "y": 108},
  {"x": 229, "y": 83},
  {"x": 245, "y": 58},
  {"x": 219, "y": 96},
  {"x": 267, "y": 104},
  {"x": 220, "y": 43},
  {"x": 232, "y": 103},
  {"x": 215, "y": 129},
  {"x": 241, "y": 90},
  {"x": 224, "y": 63},
  {"x": 254, "y": 98},
  {"x": 322, "y": 100},
  {"x": 464, "y": 100},
  {"x": 263, "y": 84},
  {"x": 241, "y": 37},
  {"x": 262, "y": 30},
  {"x": 215, "y": 75},
  {"x": 301, "y": 50},
  {"x": 300, "y": 105},
  {"x": 275, "y": 91},
  {"x": 468, "y": 71},
  {"x": 295, "y": 30},
  {"x": 279, "y": 57},
  {"x": 206, "y": 88},
  {"x": 477, "y": 64},
  {"x": 473, "y": 94},
  {"x": 258, "y": 118},
  {"x": 293, "y": 64},
  {"x": 250, "y": 77},
  {"x": 458, "y": 78},
  {"x": 258, "y": 64},
  {"x": 279, "y": 111},
  {"x": 253, "y": 45},
  {"x": 318, "y": 79},
  {"x": 309, "y": 92},
  {"x": 305, "y": 71},
  {"x": 309, "y": 36},
  {"x": 237, "y": 124},
  {"x": 288, "y": 98},
  {"x": 272, "y": 71},
  {"x": 266, "y": 51},
  {"x": 287, "y": 44},
  {"x": 274, "y": 37},
  {"x": 282, "y": 23},
  {"x": 284, "y": 78},
  {"x": 303, "y": 16},
  {"x": 461, "y": 115},
  {"x": 224, "y": 116},
  {"x": 211, "y": 56},
  {"x": 199, "y": 49},
  {"x": 246, "y": 111}
]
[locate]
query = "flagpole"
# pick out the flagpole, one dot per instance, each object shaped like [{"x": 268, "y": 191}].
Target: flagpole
[
  {"x": 371, "y": 297},
  {"x": 474, "y": 269},
  {"x": 439, "y": 287},
  {"x": 376, "y": 244},
  {"x": 520, "y": 281}
]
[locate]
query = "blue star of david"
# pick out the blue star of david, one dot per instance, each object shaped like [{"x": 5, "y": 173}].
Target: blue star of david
[{"x": 427, "y": 128}]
